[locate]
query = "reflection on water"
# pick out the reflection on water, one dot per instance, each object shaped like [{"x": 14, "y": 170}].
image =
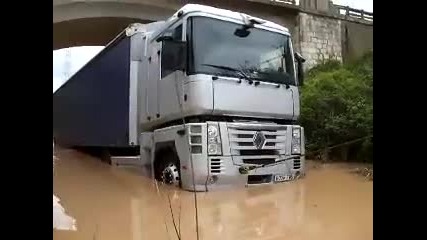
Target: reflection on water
[{"x": 111, "y": 203}]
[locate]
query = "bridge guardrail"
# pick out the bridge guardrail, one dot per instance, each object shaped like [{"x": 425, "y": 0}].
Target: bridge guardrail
[
  {"x": 349, "y": 12},
  {"x": 342, "y": 11}
]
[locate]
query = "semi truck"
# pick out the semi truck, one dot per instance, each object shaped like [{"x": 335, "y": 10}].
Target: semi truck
[{"x": 205, "y": 99}]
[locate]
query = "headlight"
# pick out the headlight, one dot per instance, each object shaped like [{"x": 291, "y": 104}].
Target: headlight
[
  {"x": 296, "y": 133},
  {"x": 296, "y": 141},
  {"x": 212, "y": 131},
  {"x": 214, "y": 140},
  {"x": 296, "y": 149}
]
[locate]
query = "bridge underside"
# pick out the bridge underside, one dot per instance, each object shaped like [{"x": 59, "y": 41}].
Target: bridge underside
[
  {"x": 96, "y": 23},
  {"x": 317, "y": 36}
]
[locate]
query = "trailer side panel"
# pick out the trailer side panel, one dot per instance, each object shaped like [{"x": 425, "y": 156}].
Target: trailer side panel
[{"x": 92, "y": 108}]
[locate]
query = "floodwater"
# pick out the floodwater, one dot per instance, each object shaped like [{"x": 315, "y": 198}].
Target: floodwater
[{"x": 110, "y": 203}]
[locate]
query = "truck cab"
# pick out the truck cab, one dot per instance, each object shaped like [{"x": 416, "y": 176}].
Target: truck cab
[{"x": 222, "y": 101}]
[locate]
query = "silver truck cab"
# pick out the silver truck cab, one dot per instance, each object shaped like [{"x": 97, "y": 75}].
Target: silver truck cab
[{"x": 218, "y": 100}]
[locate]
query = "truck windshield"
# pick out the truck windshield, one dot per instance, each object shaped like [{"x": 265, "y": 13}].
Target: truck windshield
[{"x": 228, "y": 49}]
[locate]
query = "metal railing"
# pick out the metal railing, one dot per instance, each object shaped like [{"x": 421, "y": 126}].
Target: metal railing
[
  {"x": 342, "y": 11},
  {"x": 349, "y": 12}
]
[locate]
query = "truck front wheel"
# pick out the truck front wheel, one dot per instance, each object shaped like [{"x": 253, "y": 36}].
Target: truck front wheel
[{"x": 168, "y": 170}]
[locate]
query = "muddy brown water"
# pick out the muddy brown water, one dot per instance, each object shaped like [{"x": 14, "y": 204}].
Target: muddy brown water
[{"x": 111, "y": 203}]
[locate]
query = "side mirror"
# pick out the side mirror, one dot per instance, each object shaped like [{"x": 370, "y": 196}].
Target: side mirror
[
  {"x": 174, "y": 55},
  {"x": 300, "y": 63}
]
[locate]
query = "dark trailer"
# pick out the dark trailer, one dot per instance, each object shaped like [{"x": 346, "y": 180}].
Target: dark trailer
[{"x": 92, "y": 107}]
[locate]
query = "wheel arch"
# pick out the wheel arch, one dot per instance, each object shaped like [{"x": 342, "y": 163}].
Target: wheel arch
[{"x": 162, "y": 148}]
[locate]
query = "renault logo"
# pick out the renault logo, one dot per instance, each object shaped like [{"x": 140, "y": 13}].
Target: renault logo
[{"x": 259, "y": 140}]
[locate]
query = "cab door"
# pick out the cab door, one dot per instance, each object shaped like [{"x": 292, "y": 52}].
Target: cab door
[{"x": 169, "y": 87}]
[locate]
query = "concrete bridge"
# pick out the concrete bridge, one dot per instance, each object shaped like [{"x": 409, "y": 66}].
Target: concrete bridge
[{"x": 320, "y": 29}]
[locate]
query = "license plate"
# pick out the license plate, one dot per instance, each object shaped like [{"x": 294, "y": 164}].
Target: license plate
[{"x": 282, "y": 178}]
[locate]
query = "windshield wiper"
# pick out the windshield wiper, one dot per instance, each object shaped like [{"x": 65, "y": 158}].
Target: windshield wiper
[
  {"x": 279, "y": 78},
  {"x": 243, "y": 74}
]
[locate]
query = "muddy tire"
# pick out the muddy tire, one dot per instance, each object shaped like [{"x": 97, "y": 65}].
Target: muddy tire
[{"x": 168, "y": 169}]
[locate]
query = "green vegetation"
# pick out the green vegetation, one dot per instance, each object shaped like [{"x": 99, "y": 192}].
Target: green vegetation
[{"x": 337, "y": 108}]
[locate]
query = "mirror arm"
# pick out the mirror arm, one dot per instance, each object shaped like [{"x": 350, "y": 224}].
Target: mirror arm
[{"x": 300, "y": 60}]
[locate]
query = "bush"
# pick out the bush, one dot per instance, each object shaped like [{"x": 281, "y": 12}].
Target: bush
[
  {"x": 336, "y": 105},
  {"x": 327, "y": 66}
]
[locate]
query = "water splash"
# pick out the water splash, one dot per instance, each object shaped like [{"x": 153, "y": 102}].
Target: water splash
[{"x": 61, "y": 221}]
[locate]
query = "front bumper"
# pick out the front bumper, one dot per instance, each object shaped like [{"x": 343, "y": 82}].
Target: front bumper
[
  {"x": 224, "y": 172},
  {"x": 239, "y": 150}
]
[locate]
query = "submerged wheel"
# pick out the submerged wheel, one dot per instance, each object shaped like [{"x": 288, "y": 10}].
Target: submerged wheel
[
  {"x": 168, "y": 171},
  {"x": 170, "y": 175}
]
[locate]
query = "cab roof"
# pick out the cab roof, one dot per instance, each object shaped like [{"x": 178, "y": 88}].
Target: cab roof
[{"x": 191, "y": 8}]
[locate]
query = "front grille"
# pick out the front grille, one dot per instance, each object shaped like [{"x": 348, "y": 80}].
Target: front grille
[
  {"x": 241, "y": 138},
  {"x": 216, "y": 166},
  {"x": 259, "y": 160},
  {"x": 258, "y": 152},
  {"x": 297, "y": 163}
]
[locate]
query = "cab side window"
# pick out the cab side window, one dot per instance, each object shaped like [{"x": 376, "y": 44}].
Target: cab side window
[
  {"x": 177, "y": 33},
  {"x": 167, "y": 59}
]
